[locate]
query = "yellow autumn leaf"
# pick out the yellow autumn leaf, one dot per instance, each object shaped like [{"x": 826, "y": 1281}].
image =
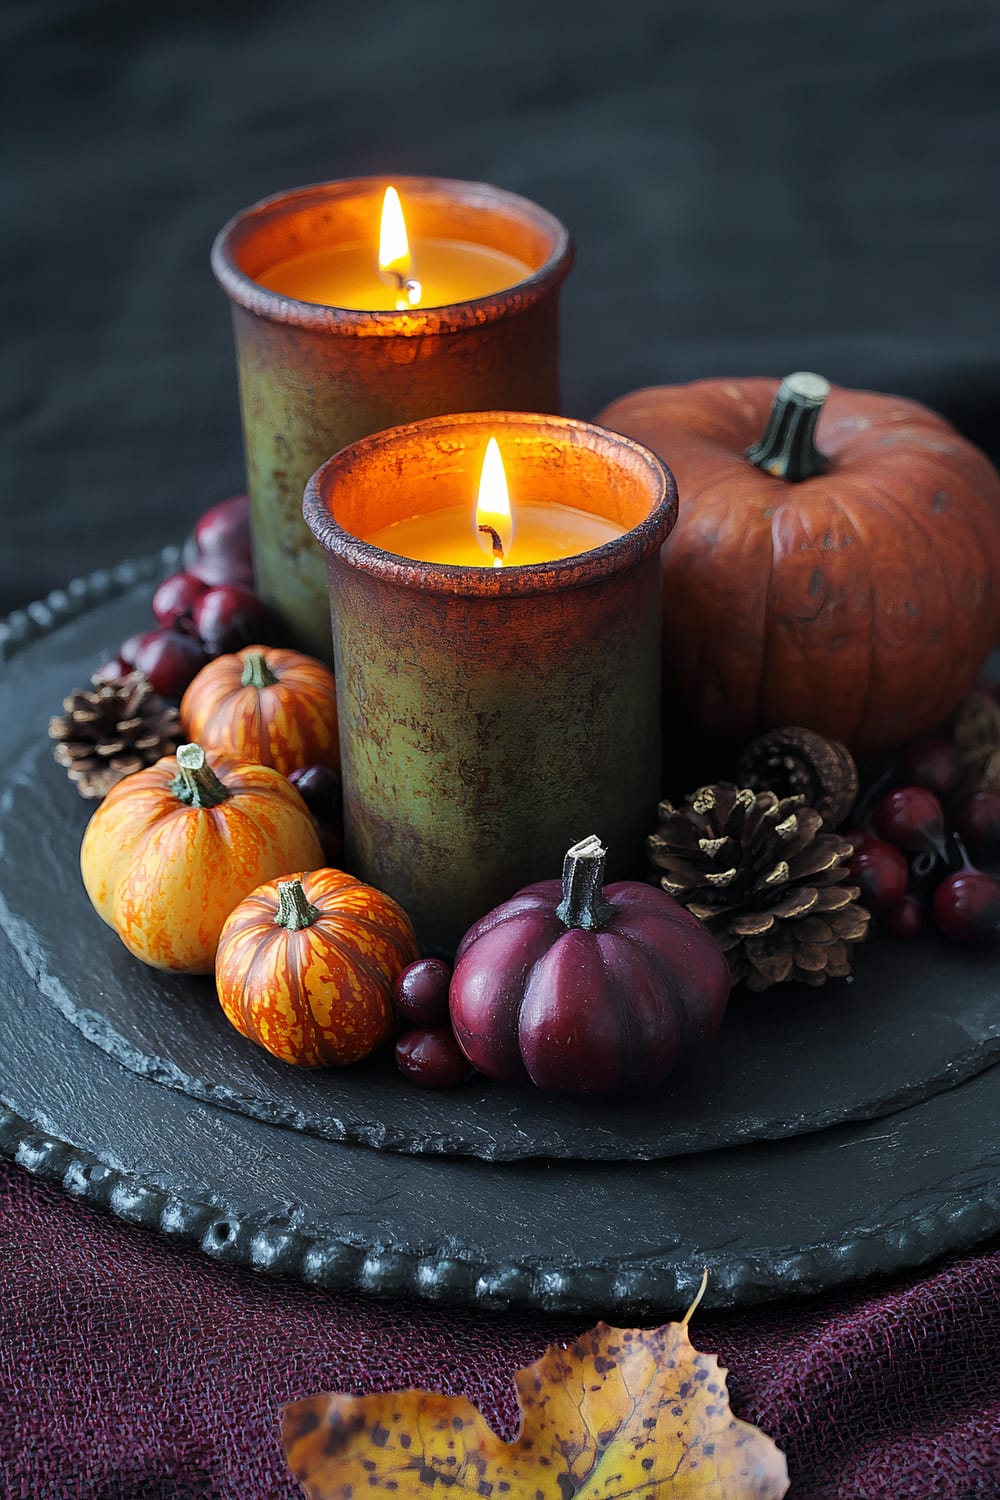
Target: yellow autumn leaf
[{"x": 622, "y": 1414}]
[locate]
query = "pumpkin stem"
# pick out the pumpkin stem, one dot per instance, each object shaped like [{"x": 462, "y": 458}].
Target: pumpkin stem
[
  {"x": 583, "y": 904},
  {"x": 788, "y": 448},
  {"x": 295, "y": 910},
  {"x": 256, "y": 672},
  {"x": 196, "y": 784}
]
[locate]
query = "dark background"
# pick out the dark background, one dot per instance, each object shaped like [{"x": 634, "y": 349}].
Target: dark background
[{"x": 753, "y": 188}]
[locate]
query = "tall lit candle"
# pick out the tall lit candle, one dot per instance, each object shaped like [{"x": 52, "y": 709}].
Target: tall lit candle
[
  {"x": 331, "y": 345},
  {"x": 384, "y": 272}
]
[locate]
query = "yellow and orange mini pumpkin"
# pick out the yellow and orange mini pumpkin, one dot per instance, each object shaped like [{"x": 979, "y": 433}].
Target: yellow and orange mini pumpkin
[
  {"x": 306, "y": 967},
  {"x": 172, "y": 849},
  {"x": 276, "y": 707}
]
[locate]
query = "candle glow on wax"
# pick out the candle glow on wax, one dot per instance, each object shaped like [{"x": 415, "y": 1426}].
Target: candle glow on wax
[
  {"x": 394, "y": 252},
  {"x": 384, "y": 277},
  {"x": 544, "y": 531}
]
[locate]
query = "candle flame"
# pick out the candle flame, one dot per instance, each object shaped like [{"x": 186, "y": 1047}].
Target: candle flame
[
  {"x": 394, "y": 251},
  {"x": 393, "y": 245},
  {"x": 494, "y": 524}
]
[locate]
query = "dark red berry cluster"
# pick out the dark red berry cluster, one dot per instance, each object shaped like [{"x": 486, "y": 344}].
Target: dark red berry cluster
[
  {"x": 208, "y": 609},
  {"x": 913, "y": 863},
  {"x": 427, "y": 1052}
]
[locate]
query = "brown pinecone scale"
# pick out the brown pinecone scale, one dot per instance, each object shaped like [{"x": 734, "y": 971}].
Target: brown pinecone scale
[
  {"x": 110, "y": 730},
  {"x": 766, "y": 879}
]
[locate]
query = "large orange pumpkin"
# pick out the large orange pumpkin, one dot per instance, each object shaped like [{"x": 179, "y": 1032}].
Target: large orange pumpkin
[
  {"x": 172, "y": 849},
  {"x": 276, "y": 707},
  {"x": 851, "y": 584},
  {"x": 306, "y": 967}
]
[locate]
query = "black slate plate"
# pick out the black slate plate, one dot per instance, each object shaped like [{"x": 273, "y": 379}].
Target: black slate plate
[
  {"x": 770, "y": 1219},
  {"x": 613, "y": 1239},
  {"x": 917, "y": 1018}
]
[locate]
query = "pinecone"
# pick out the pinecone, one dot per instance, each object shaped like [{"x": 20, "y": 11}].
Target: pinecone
[
  {"x": 796, "y": 762},
  {"x": 766, "y": 880},
  {"x": 976, "y": 733},
  {"x": 111, "y": 731}
]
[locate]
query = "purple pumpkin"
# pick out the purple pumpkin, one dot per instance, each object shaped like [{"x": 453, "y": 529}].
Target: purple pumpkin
[{"x": 586, "y": 990}]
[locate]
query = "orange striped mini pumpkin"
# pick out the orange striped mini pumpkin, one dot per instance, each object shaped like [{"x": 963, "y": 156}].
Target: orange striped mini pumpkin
[
  {"x": 173, "y": 848},
  {"x": 276, "y": 707},
  {"x": 306, "y": 967}
]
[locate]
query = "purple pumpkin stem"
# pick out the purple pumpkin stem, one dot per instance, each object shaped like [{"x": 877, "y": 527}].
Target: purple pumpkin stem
[{"x": 583, "y": 904}]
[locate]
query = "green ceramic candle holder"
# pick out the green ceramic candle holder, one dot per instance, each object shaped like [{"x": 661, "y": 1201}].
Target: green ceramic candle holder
[{"x": 489, "y": 717}]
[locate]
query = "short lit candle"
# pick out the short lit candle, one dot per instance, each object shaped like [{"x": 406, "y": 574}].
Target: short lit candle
[
  {"x": 484, "y": 709},
  {"x": 387, "y": 274},
  {"x": 492, "y": 535}
]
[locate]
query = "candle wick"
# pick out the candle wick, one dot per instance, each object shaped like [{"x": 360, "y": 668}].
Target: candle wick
[
  {"x": 409, "y": 291},
  {"x": 497, "y": 546}
]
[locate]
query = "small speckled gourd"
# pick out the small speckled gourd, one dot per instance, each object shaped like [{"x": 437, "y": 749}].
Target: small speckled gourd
[
  {"x": 306, "y": 967},
  {"x": 173, "y": 848},
  {"x": 264, "y": 704}
]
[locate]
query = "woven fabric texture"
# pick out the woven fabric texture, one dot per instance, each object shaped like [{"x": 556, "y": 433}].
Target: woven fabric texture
[{"x": 133, "y": 1368}]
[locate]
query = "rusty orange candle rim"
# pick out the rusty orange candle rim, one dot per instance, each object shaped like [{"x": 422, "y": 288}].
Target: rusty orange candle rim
[
  {"x": 314, "y": 378},
  {"x": 490, "y": 717}
]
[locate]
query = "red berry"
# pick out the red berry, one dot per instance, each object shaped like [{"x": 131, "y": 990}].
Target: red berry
[
  {"x": 219, "y": 549},
  {"x": 422, "y": 992},
  {"x": 230, "y": 617},
  {"x": 859, "y": 839},
  {"x": 225, "y": 529},
  {"x": 977, "y": 821},
  {"x": 432, "y": 1058},
  {"x": 882, "y": 873},
  {"x": 175, "y": 598},
  {"x": 169, "y": 659},
  {"x": 113, "y": 671},
  {"x": 130, "y": 648},
  {"x": 933, "y": 763},
  {"x": 320, "y": 789},
  {"x": 912, "y": 818},
  {"x": 967, "y": 906},
  {"x": 216, "y": 568},
  {"x": 905, "y": 920}
]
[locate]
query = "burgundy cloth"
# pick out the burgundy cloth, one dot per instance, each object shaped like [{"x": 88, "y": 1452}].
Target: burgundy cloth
[{"x": 133, "y": 1368}]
